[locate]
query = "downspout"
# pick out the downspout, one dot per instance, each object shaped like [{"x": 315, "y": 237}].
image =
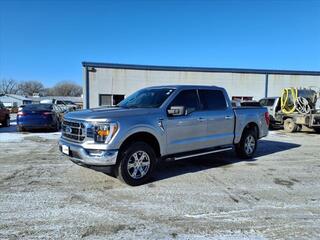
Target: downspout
[
  {"x": 266, "y": 85},
  {"x": 87, "y": 89}
]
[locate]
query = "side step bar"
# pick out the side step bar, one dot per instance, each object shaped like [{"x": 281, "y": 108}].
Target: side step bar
[{"x": 200, "y": 154}]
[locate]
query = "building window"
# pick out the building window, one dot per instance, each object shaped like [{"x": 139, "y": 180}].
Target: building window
[
  {"x": 242, "y": 98},
  {"x": 109, "y": 99}
]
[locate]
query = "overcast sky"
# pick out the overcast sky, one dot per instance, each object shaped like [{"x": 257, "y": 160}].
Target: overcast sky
[{"x": 48, "y": 40}]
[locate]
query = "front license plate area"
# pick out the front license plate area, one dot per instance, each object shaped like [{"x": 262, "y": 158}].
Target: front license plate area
[{"x": 65, "y": 149}]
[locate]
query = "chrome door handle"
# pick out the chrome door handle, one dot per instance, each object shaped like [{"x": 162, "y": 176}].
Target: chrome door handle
[{"x": 227, "y": 117}]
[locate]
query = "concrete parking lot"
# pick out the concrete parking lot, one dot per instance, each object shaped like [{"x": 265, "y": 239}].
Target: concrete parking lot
[{"x": 274, "y": 196}]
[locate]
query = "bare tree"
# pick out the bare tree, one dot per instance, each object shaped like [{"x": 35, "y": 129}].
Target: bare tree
[
  {"x": 28, "y": 88},
  {"x": 65, "y": 89},
  {"x": 8, "y": 86}
]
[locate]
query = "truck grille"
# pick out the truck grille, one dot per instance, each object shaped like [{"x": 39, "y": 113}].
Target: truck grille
[{"x": 73, "y": 130}]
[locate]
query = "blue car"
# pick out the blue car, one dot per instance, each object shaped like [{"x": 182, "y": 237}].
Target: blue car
[{"x": 39, "y": 116}]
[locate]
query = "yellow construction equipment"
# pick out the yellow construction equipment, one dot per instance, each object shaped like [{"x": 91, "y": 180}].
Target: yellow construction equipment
[
  {"x": 300, "y": 100},
  {"x": 288, "y": 98}
]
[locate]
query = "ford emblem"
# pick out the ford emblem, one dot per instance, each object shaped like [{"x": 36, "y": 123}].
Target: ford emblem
[{"x": 68, "y": 129}]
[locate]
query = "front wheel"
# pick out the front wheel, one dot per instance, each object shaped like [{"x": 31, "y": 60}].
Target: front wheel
[
  {"x": 136, "y": 164},
  {"x": 289, "y": 125},
  {"x": 248, "y": 144}
]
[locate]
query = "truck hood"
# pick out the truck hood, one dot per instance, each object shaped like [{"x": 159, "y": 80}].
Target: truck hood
[{"x": 110, "y": 113}]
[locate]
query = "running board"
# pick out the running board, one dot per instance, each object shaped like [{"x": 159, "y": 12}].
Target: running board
[{"x": 200, "y": 154}]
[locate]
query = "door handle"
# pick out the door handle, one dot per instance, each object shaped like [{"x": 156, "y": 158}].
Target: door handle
[
  {"x": 201, "y": 119},
  {"x": 227, "y": 117}
]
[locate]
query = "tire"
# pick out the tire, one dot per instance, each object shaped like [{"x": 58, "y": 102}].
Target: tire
[
  {"x": 298, "y": 128},
  {"x": 289, "y": 125},
  {"x": 6, "y": 123},
  {"x": 57, "y": 127},
  {"x": 136, "y": 163},
  {"x": 316, "y": 129},
  {"x": 20, "y": 129},
  {"x": 271, "y": 126},
  {"x": 247, "y": 146}
]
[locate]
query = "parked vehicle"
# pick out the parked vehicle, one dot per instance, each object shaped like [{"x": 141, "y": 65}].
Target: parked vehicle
[
  {"x": 67, "y": 105},
  {"x": 161, "y": 123},
  {"x": 4, "y": 116},
  {"x": 296, "y": 108},
  {"x": 273, "y": 104},
  {"x": 39, "y": 116}
]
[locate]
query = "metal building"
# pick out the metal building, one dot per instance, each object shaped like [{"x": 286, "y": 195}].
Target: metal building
[{"x": 107, "y": 84}]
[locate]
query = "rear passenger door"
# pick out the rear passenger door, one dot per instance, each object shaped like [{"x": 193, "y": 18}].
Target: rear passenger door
[
  {"x": 220, "y": 117},
  {"x": 188, "y": 132}
]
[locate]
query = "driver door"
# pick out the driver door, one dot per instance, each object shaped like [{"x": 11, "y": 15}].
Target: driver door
[{"x": 187, "y": 132}]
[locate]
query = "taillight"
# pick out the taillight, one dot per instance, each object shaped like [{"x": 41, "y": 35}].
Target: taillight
[
  {"x": 47, "y": 113},
  {"x": 21, "y": 114},
  {"x": 267, "y": 117}
]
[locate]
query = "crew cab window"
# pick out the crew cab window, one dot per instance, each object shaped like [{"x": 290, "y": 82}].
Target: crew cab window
[
  {"x": 212, "y": 99},
  {"x": 188, "y": 99}
]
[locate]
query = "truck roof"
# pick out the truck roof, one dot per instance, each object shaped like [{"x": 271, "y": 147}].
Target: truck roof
[{"x": 187, "y": 86}]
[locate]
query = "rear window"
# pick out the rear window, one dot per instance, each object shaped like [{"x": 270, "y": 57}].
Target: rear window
[
  {"x": 38, "y": 107},
  {"x": 267, "y": 102},
  {"x": 212, "y": 99}
]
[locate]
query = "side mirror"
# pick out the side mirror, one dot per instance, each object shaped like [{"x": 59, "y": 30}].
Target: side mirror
[{"x": 177, "y": 111}]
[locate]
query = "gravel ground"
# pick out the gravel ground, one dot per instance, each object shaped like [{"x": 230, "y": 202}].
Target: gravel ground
[{"x": 274, "y": 196}]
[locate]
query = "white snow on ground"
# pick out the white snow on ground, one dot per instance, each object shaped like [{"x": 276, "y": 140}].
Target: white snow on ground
[
  {"x": 220, "y": 237},
  {"x": 18, "y": 137}
]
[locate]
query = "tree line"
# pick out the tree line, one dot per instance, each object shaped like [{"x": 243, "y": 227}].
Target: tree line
[{"x": 29, "y": 88}]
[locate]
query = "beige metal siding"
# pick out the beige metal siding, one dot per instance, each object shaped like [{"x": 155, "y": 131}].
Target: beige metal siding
[
  {"x": 126, "y": 81},
  {"x": 279, "y": 82}
]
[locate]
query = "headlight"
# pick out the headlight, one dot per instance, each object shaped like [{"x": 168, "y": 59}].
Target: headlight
[{"x": 103, "y": 132}]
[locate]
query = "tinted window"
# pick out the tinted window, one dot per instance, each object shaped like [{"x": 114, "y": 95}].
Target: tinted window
[
  {"x": 188, "y": 99},
  {"x": 267, "y": 102},
  {"x": 37, "y": 107},
  {"x": 147, "y": 98},
  {"x": 212, "y": 99}
]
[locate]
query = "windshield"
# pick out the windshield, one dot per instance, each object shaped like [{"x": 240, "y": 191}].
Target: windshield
[{"x": 146, "y": 98}]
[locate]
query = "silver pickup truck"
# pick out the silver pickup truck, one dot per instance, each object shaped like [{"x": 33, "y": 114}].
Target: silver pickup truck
[{"x": 160, "y": 123}]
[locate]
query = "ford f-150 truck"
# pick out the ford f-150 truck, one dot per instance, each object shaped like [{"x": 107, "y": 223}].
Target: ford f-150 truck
[{"x": 160, "y": 123}]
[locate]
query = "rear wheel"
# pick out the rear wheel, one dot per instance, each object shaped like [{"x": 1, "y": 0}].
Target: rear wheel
[
  {"x": 58, "y": 126},
  {"x": 289, "y": 125},
  {"x": 6, "y": 122},
  {"x": 298, "y": 128},
  {"x": 136, "y": 164},
  {"x": 248, "y": 144},
  {"x": 20, "y": 129},
  {"x": 316, "y": 129}
]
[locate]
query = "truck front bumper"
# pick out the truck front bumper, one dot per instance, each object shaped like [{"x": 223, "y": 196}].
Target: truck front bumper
[{"x": 90, "y": 157}]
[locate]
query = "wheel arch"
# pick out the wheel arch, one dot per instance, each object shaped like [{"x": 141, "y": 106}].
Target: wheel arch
[
  {"x": 251, "y": 125},
  {"x": 143, "y": 136}
]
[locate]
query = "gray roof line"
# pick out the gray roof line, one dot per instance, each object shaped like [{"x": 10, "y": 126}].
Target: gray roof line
[{"x": 198, "y": 69}]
